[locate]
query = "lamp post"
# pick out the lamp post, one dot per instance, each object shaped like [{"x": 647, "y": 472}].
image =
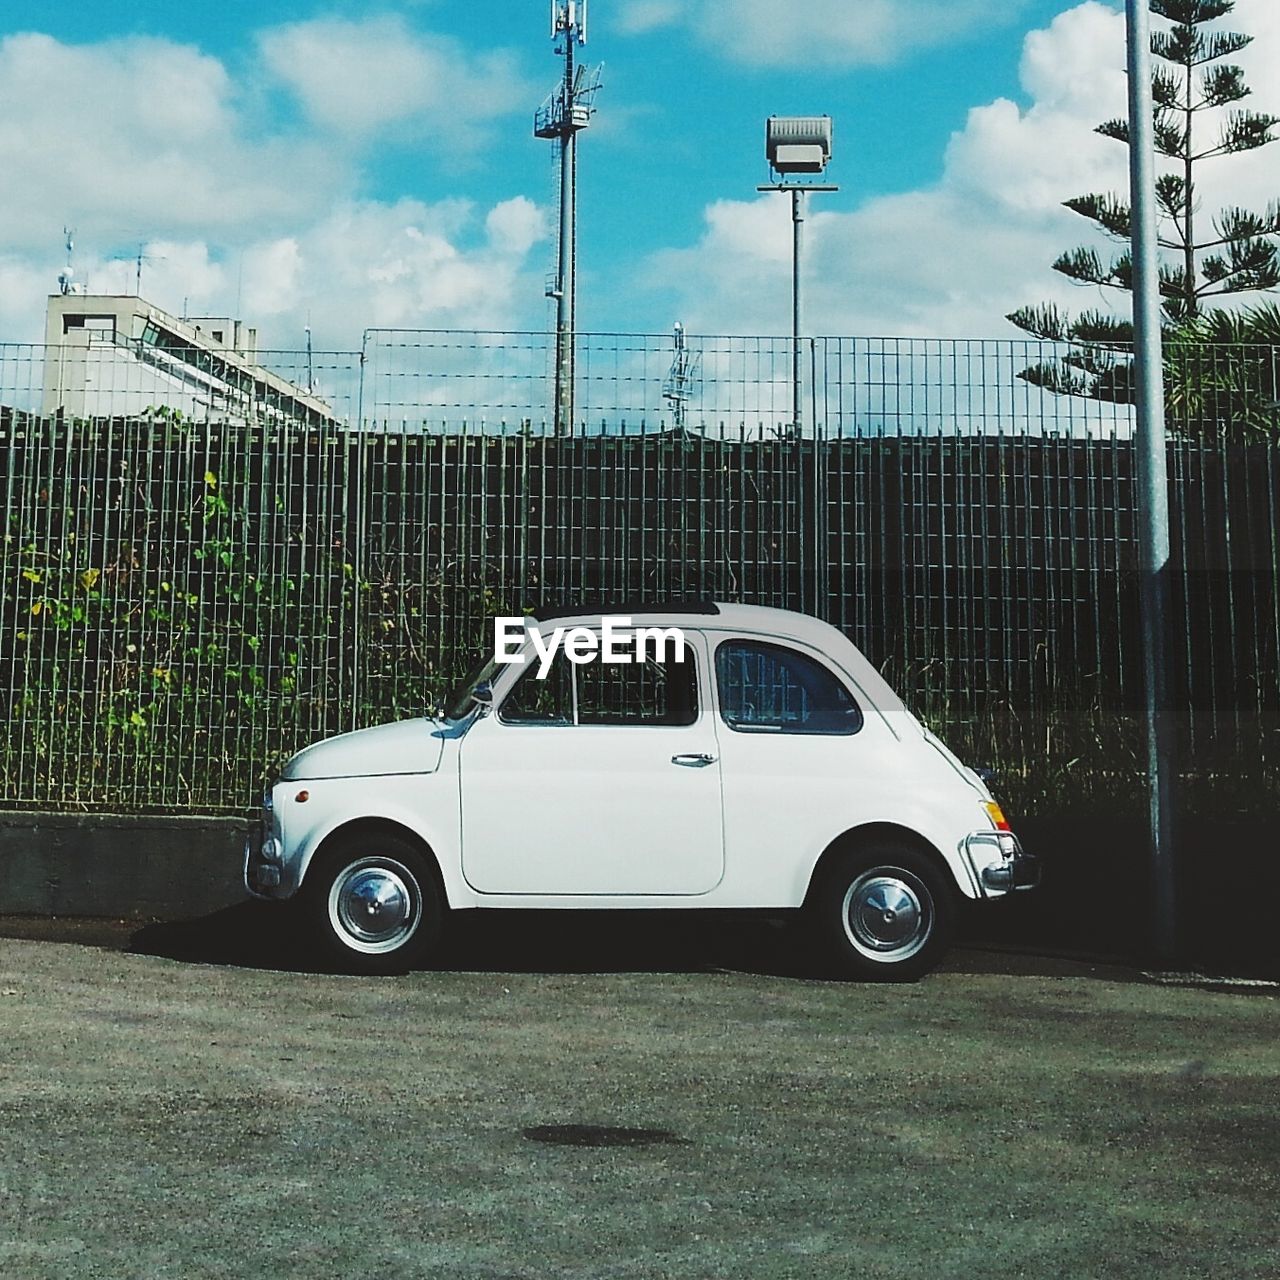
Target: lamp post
[
  {"x": 1153, "y": 480},
  {"x": 797, "y": 145}
]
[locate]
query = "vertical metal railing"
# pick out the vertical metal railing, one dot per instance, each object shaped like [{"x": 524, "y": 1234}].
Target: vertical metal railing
[{"x": 187, "y": 597}]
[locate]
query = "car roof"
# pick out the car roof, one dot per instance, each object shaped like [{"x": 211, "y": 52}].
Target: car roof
[
  {"x": 617, "y": 608},
  {"x": 705, "y": 615},
  {"x": 748, "y": 619}
]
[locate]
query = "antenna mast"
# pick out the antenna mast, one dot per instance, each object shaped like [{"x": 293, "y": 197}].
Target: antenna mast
[
  {"x": 142, "y": 256},
  {"x": 682, "y": 379},
  {"x": 566, "y": 111},
  {"x": 138, "y": 260},
  {"x": 67, "y": 276}
]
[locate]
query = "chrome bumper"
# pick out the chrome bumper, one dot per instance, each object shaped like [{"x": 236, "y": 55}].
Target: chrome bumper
[{"x": 999, "y": 863}]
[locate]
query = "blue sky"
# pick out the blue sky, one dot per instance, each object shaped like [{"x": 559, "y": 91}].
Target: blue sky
[
  {"x": 680, "y": 88},
  {"x": 350, "y": 166}
]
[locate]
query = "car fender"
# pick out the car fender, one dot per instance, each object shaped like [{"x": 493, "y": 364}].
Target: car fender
[
  {"x": 424, "y": 805},
  {"x": 933, "y": 825}
]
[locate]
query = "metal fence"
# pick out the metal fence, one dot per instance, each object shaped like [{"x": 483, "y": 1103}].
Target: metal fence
[
  {"x": 188, "y": 598},
  {"x": 496, "y": 383},
  {"x": 720, "y": 387},
  {"x": 416, "y": 381}
]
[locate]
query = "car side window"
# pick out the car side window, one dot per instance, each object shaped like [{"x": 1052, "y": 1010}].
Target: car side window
[
  {"x": 535, "y": 701},
  {"x": 768, "y": 688},
  {"x": 639, "y": 693},
  {"x": 636, "y": 693}
]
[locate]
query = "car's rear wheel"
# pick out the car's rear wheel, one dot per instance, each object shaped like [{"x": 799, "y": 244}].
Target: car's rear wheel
[
  {"x": 885, "y": 912},
  {"x": 374, "y": 903}
]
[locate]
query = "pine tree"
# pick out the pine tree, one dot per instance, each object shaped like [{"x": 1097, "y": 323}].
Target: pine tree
[{"x": 1236, "y": 254}]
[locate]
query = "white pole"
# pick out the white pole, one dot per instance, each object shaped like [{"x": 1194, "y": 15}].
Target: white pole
[
  {"x": 1153, "y": 482},
  {"x": 797, "y": 311}
]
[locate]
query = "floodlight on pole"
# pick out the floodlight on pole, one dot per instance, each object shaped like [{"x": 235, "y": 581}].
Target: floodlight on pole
[{"x": 797, "y": 145}]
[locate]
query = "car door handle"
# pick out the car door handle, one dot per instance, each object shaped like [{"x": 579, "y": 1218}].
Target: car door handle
[{"x": 694, "y": 760}]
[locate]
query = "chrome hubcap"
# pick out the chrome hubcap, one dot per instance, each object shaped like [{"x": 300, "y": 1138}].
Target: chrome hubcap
[
  {"x": 887, "y": 914},
  {"x": 374, "y": 905}
]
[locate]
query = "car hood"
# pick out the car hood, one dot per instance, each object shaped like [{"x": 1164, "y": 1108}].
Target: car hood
[{"x": 407, "y": 746}]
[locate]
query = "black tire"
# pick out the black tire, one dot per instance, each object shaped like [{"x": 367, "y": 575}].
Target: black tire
[
  {"x": 884, "y": 912},
  {"x": 373, "y": 903}
]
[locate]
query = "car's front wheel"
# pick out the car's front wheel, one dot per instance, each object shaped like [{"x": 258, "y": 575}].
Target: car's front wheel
[
  {"x": 885, "y": 913},
  {"x": 374, "y": 903}
]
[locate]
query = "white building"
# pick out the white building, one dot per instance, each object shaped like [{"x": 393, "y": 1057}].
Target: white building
[{"x": 109, "y": 355}]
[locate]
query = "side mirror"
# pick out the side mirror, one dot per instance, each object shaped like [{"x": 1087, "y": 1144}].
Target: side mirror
[{"x": 482, "y": 696}]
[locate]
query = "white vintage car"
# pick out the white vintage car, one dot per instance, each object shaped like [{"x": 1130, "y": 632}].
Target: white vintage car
[{"x": 761, "y": 764}]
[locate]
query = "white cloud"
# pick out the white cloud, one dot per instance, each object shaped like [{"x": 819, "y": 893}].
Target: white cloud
[
  {"x": 515, "y": 226},
  {"x": 169, "y": 266},
  {"x": 360, "y": 77},
  {"x": 401, "y": 265},
  {"x": 272, "y": 279},
  {"x": 23, "y": 287},
  {"x": 637, "y": 17},
  {"x": 147, "y": 142},
  {"x": 766, "y": 33},
  {"x": 359, "y": 265},
  {"x": 954, "y": 258},
  {"x": 1031, "y": 160},
  {"x": 401, "y": 262},
  {"x": 237, "y": 216},
  {"x": 139, "y": 137}
]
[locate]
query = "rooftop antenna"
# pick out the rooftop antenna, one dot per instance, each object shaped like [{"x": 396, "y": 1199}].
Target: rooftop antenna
[
  {"x": 138, "y": 259},
  {"x": 142, "y": 257},
  {"x": 67, "y": 276},
  {"x": 682, "y": 378},
  {"x": 567, "y": 110},
  {"x": 311, "y": 379}
]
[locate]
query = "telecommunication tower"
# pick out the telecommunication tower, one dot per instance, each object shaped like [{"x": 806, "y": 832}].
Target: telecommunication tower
[
  {"x": 566, "y": 111},
  {"x": 682, "y": 379}
]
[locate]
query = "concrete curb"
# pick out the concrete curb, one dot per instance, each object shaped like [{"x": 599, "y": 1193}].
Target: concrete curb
[
  {"x": 102, "y": 864},
  {"x": 1093, "y": 900}
]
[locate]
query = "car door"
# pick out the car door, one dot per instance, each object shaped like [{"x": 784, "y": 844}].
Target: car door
[
  {"x": 800, "y": 763},
  {"x": 602, "y": 779}
]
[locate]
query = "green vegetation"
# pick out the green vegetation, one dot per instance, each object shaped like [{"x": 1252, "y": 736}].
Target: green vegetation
[
  {"x": 151, "y": 660},
  {"x": 184, "y": 605},
  {"x": 1074, "y": 750},
  {"x": 168, "y": 643},
  {"x": 1222, "y": 374}
]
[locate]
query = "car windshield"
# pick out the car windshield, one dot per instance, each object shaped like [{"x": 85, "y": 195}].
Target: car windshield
[{"x": 459, "y": 705}]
